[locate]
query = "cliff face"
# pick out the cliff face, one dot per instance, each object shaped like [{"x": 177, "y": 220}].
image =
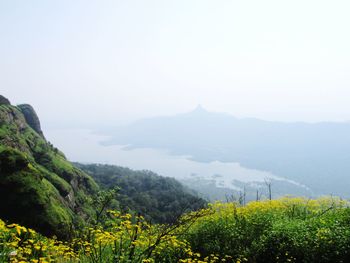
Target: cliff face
[
  {"x": 4, "y": 100},
  {"x": 39, "y": 188},
  {"x": 31, "y": 118}
]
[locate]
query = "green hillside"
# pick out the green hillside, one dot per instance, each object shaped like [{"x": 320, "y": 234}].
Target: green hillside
[
  {"x": 159, "y": 199},
  {"x": 39, "y": 188}
]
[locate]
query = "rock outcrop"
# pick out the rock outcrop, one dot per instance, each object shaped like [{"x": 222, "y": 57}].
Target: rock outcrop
[
  {"x": 4, "y": 100},
  {"x": 39, "y": 187},
  {"x": 31, "y": 118}
]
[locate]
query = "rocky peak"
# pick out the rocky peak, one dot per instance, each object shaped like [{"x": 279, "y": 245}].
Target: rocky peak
[
  {"x": 4, "y": 101},
  {"x": 199, "y": 110},
  {"x": 31, "y": 118}
]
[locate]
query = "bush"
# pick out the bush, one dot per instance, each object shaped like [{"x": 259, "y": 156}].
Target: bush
[{"x": 285, "y": 230}]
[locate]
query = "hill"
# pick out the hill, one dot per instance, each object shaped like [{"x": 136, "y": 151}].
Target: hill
[
  {"x": 39, "y": 188},
  {"x": 159, "y": 199},
  {"x": 315, "y": 155}
]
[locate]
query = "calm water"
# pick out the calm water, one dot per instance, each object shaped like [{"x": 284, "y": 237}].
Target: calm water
[{"x": 84, "y": 146}]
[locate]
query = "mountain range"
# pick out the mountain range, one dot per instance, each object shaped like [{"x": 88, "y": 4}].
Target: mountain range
[{"x": 314, "y": 154}]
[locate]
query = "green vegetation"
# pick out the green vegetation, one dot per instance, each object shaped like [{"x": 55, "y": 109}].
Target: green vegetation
[
  {"x": 31, "y": 118},
  {"x": 284, "y": 230},
  {"x": 152, "y": 218},
  {"x": 40, "y": 189},
  {"x": 158, "y": 199}
]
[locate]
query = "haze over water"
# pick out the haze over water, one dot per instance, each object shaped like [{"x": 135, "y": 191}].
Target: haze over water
[{"x": 85, "y": 146}]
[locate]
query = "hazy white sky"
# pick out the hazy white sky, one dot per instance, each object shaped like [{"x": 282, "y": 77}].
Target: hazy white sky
[{"x": 119, "y": 60}]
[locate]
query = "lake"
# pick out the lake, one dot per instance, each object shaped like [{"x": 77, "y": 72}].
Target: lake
[{"x": 84, "y": 146}]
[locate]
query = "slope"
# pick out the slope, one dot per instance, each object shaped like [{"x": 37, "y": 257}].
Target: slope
[
  {"x": 39, "y": 188},
  {"x": 159, "y": 199}
]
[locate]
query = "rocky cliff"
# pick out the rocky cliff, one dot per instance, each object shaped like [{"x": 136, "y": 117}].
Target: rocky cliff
[
  {"x": 39, "y": 188},
  {"x": 4, "y": 100},
  {"x": 31, "y": 118}
]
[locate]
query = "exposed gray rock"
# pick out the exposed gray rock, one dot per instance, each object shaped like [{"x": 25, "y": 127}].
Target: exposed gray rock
[
  {"x": 31, "y": 118},
  {"x": 4, "y": 100}
]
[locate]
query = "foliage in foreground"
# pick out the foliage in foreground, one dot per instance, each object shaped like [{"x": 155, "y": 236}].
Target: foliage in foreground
[
  {"x": 284, "y": 230},
  {"x": 122, "y": 239}
]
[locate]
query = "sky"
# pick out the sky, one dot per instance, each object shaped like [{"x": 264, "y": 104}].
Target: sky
[{"x": 114, "y": 61}]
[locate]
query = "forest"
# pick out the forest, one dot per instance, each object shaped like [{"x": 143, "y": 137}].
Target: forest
[{"x": 158, "y": 199}]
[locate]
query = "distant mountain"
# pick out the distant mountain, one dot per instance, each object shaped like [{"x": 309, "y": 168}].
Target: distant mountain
[{"x": 316, "y": 155}]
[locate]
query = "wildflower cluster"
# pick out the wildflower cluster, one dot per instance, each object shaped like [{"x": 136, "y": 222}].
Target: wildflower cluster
[
  {"x": 131, "y": 239},
  {"x": 284, "y": 230},
  {"x": 21, "y": 244}
]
